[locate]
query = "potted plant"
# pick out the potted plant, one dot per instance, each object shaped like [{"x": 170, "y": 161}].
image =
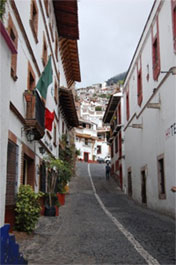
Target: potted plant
[
  {"x": 51, "y": 207},
  {"x": 27, "y": 208},
  {"x": 53, "y": 167},
  {"x": 28, "y": 94}
]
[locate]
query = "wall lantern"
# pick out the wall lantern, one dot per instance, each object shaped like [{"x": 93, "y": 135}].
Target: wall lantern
[
  {"x": 172, "y": 71},
  {"x": 41, "y": 150},
  {"x": 30, "y": 135}
]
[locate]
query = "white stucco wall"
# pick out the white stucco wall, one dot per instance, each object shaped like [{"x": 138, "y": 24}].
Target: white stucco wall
[
  {"x": 143, "y": 146},
  {"x": 5, "y": 55}
]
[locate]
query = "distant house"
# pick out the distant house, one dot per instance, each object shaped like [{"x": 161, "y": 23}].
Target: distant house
[{"x": 85, "y": 139}]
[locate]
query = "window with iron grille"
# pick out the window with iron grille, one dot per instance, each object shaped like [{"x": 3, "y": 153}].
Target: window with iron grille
[{"x": 14, "y": 36}]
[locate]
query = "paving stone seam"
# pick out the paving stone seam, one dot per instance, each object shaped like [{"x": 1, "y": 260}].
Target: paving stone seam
[{"x": 149, "y": 259}]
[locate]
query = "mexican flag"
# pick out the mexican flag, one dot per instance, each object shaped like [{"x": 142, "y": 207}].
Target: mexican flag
[{"x": 45, "y": 92}]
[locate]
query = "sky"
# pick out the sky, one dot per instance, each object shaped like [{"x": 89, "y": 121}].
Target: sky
[{"x": 109, "y": 33}]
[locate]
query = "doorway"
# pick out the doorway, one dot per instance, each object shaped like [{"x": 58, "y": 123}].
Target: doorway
[
  {"x": 143, "y": 187},
  {"x": 86, "y": 157},
  {"x": 11, "y": 184},
  {"x": 129, "y": 184}
]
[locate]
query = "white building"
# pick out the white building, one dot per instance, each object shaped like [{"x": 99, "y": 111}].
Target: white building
[
  {"x": 113, "y": 116},
  {"x": 85, "y": 140},
  {"x": 36, "y": 31},
  {"x": 150, "y": 113}
]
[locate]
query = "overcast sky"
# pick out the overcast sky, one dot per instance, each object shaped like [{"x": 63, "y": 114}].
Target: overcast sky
[{"x": 109, "y": 34}]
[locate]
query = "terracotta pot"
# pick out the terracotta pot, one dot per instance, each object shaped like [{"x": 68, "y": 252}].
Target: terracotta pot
[
  {"x": 57, "y": 210},
  {"x": 28, "y": 96},
  {"x": 61, "y": 198}
]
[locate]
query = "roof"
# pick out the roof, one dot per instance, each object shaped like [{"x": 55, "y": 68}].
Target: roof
[
  {"x": 112, "y": 104},
  {"x": 66, "y": 13},
  {"x": 67, "y": 106}
]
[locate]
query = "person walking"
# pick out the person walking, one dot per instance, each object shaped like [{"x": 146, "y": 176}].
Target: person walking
[{"x": 107, "y": 171}]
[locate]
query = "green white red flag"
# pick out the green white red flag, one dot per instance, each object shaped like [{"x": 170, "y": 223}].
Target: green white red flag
[{"x": 46, "y": 93}]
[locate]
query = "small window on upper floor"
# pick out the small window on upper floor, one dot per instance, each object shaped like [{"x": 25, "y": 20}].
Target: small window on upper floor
[
  {"x": 45, "y": 52},
  {"x": 34, "y": 19},
  {"x": 173, "y": 5},
  {"x": 31, "y": 78},
  {"x": 14, "y": 36},
  {"x": 139, "y": 88},
  {"x": 127, "y": 106},
  {"x": 155, "y": 50}
]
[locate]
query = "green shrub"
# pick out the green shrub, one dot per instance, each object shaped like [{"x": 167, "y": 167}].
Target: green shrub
[
  {"x": 27, "y": 209},
  {"x": 2, "y": 8}
]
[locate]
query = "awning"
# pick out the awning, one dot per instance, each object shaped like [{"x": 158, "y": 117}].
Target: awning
[
  {"x": 87, "y": 136},
  {"x": 112, "y": 104},
  {"x": 66, "y": 13},
  {"x": 70, "y": 58},
  {"x": 67, "y": 106}
]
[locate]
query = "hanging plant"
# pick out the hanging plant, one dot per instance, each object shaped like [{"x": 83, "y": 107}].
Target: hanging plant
[{"x": 2, "y": 8}]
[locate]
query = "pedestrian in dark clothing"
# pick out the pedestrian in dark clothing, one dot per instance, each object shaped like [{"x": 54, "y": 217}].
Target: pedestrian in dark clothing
[{"x": 107, "y": 171}]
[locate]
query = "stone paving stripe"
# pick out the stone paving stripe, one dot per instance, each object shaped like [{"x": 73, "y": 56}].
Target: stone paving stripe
[{"x": 149, "y": 259}]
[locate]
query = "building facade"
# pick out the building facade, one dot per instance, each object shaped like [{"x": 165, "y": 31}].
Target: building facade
[
  {"x": 150, "y": 111},
  {"x": 39, "y": 30}
]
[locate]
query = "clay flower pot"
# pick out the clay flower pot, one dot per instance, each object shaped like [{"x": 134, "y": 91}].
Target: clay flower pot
[{"x": 28, "y": 95}]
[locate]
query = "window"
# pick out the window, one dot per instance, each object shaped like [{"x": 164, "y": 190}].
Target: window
[
  {"x": 45, "y": 53},
  {"x": 161, "y": 177},
  {"x": 98, "y": 149},
  {"x": 86, "y": 141},
  {"x": 56, "y": 92},
  {"x": 14, "y": 36},
  {"x": 130, "y": 191},
  {"x": 143, "y": 186},
  {"x": 155, "y": 50},
  {"x": 174, "y": 22},
  {"x": 127, "y": 106},
  {"x": 56, "y": 46},
  {"x": 34, "y": 19},
  {"x": 139, "y": 82},
  {"x": 116, "y": 144},
  {"x": 31, "y": 78}
]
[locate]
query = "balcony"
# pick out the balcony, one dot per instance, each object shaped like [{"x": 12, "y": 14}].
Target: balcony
[{"x": 35, "y": 110}]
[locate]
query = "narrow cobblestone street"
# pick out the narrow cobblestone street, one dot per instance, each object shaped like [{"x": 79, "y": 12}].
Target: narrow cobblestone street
[{"x": 83, "y": 233}]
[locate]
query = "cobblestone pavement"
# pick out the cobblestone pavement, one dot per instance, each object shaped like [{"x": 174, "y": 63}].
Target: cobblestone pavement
[{"x": 84, "y": 234}]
